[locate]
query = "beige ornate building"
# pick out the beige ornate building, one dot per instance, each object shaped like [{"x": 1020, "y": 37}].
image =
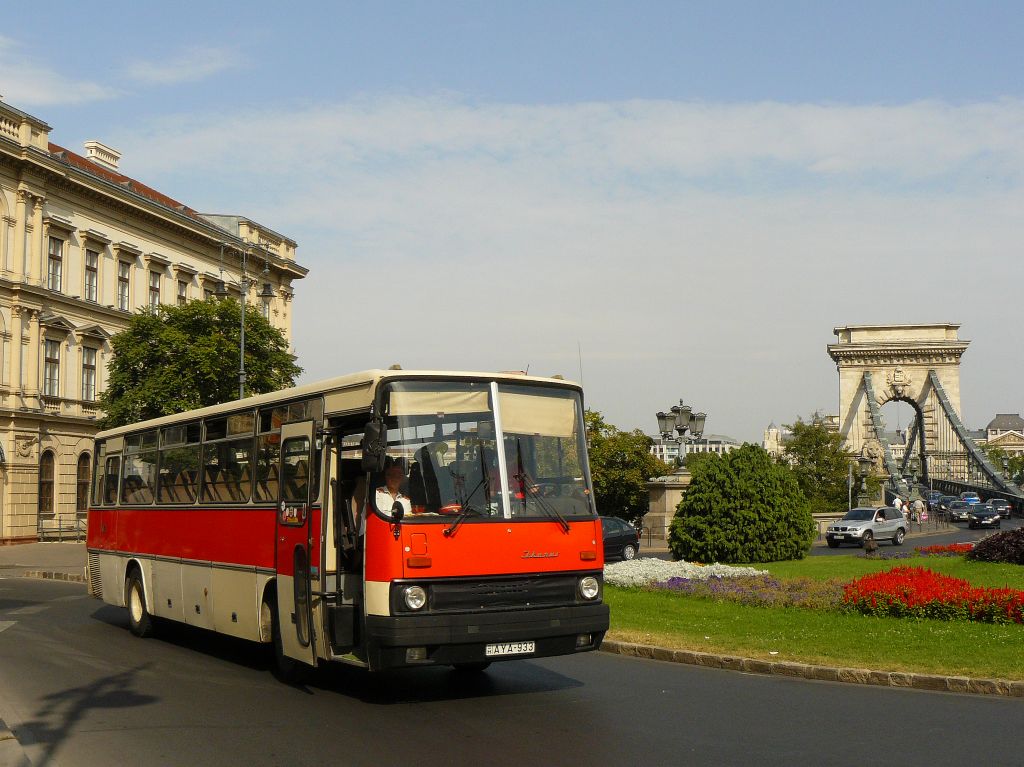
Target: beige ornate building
[{"x": 82, "y": 248}]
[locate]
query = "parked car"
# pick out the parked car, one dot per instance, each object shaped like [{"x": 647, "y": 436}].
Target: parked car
[
  {"x": 862, "y": 524},
  {"x": 970, "y": 496},
  {"x": 621, "y": 539},
  {"x": 983, "y": 515},
  {"x": 959, "y": 511},
  {"x": 1002, "y": 506}
]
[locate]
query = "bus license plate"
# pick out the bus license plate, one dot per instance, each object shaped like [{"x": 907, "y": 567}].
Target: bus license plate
[{"x": 510, "y": 648}]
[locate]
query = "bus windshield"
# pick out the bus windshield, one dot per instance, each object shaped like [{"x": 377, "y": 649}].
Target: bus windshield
[{"x": 484, "y": 450}]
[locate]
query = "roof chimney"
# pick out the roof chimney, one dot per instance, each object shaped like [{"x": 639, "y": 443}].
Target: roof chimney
[{"x": 102, "y": 155}]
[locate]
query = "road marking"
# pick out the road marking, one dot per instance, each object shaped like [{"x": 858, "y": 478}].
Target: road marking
[
  {"x": 30, "y": 610},
  {"x": 4, "y": 625}
]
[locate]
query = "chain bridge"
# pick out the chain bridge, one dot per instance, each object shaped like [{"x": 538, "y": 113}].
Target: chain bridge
[{"x": 919, "y": 365}]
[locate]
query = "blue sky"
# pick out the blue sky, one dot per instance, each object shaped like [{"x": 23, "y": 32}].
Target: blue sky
[{"x": 694, "y": 194}]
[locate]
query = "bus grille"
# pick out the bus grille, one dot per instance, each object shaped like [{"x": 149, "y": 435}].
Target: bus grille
[
  {"x": 95, "y": 584},
  {"x": 536, "y": 591}
]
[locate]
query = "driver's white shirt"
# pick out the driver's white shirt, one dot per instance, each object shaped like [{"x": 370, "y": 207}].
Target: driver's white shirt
[{"x": 385, "y": 501}]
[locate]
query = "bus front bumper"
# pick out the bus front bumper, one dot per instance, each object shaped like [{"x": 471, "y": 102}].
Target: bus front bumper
[{"x": 467, "y": 638}]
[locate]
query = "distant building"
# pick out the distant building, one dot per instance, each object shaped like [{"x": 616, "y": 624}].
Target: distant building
[
  {"x": 668, "y": 450},
  {"x": 82, "y": 248},
  {"x": 1006, "y": 432}
]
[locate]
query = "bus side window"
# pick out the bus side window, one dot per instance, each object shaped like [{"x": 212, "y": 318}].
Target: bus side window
[{"x": 110, "y": 477}]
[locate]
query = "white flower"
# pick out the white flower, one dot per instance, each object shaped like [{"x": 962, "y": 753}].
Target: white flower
[{"x": 640, "y": 572}]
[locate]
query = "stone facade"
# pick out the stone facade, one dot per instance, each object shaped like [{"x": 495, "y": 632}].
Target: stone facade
[
  {"x": 664, "y": 494},
  {"x": 82, "y": 248}
]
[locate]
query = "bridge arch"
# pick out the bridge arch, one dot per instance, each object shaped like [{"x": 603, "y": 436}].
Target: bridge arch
[{"x": 919, "y": 365}]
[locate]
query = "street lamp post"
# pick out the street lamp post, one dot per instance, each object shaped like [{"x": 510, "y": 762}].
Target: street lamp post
[
  {"x": 244, "y": 283},
  {"x": 864, "y": 466},
  {"x": 681, "y": 419}
]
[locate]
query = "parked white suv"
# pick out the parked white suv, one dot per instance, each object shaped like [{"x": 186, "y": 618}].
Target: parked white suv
[{"x": 861, "y": 525}]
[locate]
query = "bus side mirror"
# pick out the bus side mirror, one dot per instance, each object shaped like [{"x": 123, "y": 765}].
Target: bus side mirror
[
  {"x": 397, "y": 512},
  {"x": 374, "y": 449}
]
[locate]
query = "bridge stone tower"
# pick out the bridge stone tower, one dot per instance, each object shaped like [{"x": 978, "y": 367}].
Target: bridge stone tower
[{"x": 917, "y": 364}]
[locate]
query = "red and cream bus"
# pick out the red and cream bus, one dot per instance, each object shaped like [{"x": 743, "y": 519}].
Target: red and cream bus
[{"x": 383, "y": 519}]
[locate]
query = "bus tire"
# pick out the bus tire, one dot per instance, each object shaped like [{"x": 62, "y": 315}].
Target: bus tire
[{"x": 140, "y": 622}]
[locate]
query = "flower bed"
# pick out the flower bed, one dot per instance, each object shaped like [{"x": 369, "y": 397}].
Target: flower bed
[
  {"x": 763, "y": 590},
  {"x": 643, "y": 572},
  {"x": 949, "y": 550},
  {"x": 921, "y": 593}
]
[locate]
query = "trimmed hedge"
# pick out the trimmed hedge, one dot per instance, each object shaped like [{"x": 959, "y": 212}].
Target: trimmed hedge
[
  {"x": 1007, "y": 546},
  {"x": 741, "y": 507}
]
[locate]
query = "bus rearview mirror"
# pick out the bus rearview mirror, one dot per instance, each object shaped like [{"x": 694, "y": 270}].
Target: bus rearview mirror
[{"x": 374, "y": 449}]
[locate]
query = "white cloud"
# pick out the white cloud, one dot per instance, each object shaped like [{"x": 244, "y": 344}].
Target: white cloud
[
  {"x": 193, "y": 64},
  {"x": 26, "y": 82},
  {"x": 695, "y": 250}
]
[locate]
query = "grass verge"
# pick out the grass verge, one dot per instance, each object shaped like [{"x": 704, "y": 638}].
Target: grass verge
[{"x": 955, "y": 648}]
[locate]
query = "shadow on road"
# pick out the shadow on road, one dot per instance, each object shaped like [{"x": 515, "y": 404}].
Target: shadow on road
[
  {"x": 56, "y": 720},
  {"x": 424, "y": 685}
]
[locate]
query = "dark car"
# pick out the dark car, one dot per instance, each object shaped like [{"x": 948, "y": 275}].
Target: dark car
[
  {"x": 1002, "y": 506},
  {"x": 932, "y": 499},
  {"x": 959, "y": 511},
  {"x": 983, "y": 515},
  {"x": 621, "y": 539},
  {"x": 942, "y": 505}
]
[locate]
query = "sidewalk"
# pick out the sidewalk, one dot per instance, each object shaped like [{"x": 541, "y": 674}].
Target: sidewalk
[{"x": 52, "y": 559}]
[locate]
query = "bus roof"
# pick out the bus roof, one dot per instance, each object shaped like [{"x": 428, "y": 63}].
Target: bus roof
[{"x": 349, "y": 393}]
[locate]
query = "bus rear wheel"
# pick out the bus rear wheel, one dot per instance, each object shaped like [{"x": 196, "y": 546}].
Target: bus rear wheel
[{"x": 140, "y": 622}]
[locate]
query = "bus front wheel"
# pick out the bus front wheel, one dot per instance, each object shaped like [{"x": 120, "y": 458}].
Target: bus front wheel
[{"x": 140, "y": 622}]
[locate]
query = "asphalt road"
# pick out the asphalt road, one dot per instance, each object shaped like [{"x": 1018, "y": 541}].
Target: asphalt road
[
  {"x": 957, "y": 532},
  {"x": 77, "y": 688}
]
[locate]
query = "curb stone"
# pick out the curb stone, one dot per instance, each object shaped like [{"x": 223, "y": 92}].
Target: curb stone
[
  {"x": 11, "y": 752},
  {"x": 49, "y": 575},
  {"x": 902, "y": 679}
]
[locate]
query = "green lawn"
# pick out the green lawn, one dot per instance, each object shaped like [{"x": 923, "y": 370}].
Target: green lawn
[
  {"x": 829, "y": 638},
  {"x": 849, "y": 567}
]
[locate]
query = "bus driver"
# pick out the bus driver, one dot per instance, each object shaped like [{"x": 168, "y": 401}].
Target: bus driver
[{"x": 390, "y": 492}]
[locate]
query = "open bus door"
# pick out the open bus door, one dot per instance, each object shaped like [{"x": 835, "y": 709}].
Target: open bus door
[{"x": 295, "y": 532}]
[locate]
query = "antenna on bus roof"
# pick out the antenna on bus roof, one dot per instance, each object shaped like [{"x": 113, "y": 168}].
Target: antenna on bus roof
[
  {"x": 579, "y": 351},
  {"x": 527, "y": 371}
]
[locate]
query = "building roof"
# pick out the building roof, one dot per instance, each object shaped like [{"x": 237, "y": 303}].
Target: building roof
[{"x": 1006, "y": 422}]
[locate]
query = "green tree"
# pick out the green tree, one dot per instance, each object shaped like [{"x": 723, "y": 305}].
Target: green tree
[
  {"x": 179, "y": 358},
  {"x": 820, "y": 463},
  {"x": 741, "y": 507},
  {"x": 1014, "y": 463},
  {"x": 620, "y": 465}
]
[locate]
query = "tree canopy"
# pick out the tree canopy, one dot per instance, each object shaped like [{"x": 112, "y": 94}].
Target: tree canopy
[
  {"x": 741, "y": 507},
  {"x": 178, "y": 358},
  {"x": 820, "y": 464},
  {"x": 620, "y": 466}
]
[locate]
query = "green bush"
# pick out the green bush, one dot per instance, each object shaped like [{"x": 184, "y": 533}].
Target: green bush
[{"x": 742, "y": 507}]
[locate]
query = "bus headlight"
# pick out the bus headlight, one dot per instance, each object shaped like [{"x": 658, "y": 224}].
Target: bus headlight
[
  {"x": 415, "y": 597},
  {"x": 589, "y": 587}
]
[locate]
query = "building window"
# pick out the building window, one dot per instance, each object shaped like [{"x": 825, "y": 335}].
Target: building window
[
  {"x": 92, "y": 271},
  {"x": 46, "y": 482},
  {"x": 51, "y": 369},
  {"x": 154, "y": 290},
  {"x": 55, "y": 263},
  {"x": 88, "y": 374},
  {"x": 182, "y": 292},
  {"x": 82, "y": 485},
  {"x": 124, "y": 272}
]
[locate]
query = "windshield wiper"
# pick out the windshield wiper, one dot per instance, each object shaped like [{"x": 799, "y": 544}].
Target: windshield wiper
[
  {"x": 526, "y": 485},
  {"x": 465, "y": 511}
]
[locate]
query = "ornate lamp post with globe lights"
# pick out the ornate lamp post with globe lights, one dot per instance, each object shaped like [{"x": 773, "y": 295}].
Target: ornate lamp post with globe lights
[
  {"x": 675, "y": 424},
  {"x": 864, "y": 463}
]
